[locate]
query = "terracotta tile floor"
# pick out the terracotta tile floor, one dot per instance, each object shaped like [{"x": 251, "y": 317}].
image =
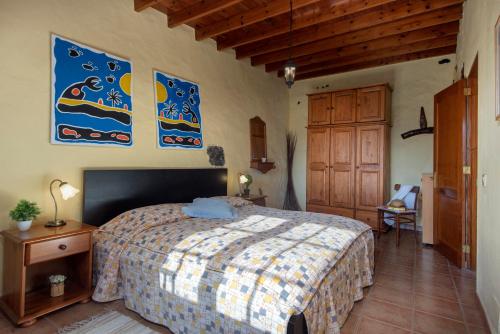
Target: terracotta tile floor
[{"x": 416, "y": 290}]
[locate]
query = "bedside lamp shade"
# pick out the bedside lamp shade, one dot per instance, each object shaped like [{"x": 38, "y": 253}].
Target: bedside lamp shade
[{"x": 67, "y": 192}]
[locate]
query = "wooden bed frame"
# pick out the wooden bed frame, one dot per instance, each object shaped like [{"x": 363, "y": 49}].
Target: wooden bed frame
[{"x": 110, "y": 192}]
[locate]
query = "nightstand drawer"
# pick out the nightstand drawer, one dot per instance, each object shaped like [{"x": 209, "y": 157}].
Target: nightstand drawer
[{"x": 56, "y": 248}]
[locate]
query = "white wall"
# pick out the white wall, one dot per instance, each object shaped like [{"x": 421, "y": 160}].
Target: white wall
[
  {"x": 414, "y": 83},
  {"x": 477, "y": 37},
  {"x": 231, "y": 91}
]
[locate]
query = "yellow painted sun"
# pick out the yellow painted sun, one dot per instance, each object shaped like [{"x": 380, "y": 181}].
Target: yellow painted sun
[
  {"x": 161, "y": 93},
  {"x": 125, "y": 81}
]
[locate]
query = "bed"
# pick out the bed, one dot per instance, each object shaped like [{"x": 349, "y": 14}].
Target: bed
[{"x": 267, "y": 271}]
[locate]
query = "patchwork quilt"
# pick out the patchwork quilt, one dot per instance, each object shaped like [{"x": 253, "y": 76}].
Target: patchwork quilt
[{"x": 243, "y": 275}]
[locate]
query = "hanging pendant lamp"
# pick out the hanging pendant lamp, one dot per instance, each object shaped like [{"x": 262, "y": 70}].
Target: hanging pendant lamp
[{"x": 290, "y": 68}]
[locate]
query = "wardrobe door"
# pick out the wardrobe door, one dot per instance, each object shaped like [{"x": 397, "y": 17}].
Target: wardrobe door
[
  {"x": 371, "y": 104},
  {"x": 342, "y": 166},
  {"x": 318, "y": 172},
  {"x": 344, "y": 106},
  {"x": 319, "y": 109},
  {"x": 370, "y": 148}
]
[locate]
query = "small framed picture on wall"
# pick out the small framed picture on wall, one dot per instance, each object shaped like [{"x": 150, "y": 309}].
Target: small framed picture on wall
[{"x": 497, "y": 70}]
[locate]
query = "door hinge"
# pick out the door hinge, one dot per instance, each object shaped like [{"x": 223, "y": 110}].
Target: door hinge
[
  {"x": 467, "y": 91},
  {"x": 467, "y": 170},
  {"x": 466, "y": 249}
]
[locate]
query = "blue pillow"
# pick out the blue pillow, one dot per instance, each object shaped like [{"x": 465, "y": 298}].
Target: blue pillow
[{"x": 210, "y": 208}]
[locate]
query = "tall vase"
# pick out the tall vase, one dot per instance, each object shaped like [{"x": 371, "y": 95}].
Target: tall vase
[{"x": 291, "y": 202}]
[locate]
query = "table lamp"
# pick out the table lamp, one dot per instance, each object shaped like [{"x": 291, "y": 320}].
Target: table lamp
[{"x": 67, "y": 192}]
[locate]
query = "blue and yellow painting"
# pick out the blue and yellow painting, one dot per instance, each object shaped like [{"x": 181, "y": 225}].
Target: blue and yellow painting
[
  {"x": 177, "y": 112},
  {"x": 91, "y": 102}
]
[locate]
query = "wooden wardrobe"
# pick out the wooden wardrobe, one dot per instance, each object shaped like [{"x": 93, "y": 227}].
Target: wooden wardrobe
[{"x": 348, "y": 152}]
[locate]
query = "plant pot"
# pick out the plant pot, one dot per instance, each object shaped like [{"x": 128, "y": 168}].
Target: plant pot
[
  {"x": 246, "y": 192},
  {"x": 24, "y": 225},
  {"x": 57, "y": 289}
]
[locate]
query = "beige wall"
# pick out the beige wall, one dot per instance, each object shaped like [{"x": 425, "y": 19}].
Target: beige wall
[
  {"x": 414, "y": 84},
  {"x": 477, "y": 37},
  {"x": 231, "y": 93}
]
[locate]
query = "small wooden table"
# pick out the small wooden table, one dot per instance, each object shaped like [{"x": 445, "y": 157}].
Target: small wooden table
[
  {"x": 399, "y": 217},
  {"x": 255, "y": 199},
  {"x": 30, "y": 257}
]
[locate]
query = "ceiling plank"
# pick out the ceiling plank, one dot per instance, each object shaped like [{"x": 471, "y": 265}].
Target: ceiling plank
[
  {"x": 389, "y": 29},
  {"x": 377, "y": 54},
  {"x": 378, "y": 62},
  {"x": 198, "y": 10},
  {"x": 251, "y": 16},
  {"x": 447, "y": 29},
  {"x": 360, "y": 21},
  {"x": 325, "y": 11},
  {"x": 140, "y": 5}
]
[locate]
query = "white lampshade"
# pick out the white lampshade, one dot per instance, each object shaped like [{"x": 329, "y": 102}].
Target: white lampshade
[
  {"x": 243, "y": 179},
  {"x": 68, "y": 191}
]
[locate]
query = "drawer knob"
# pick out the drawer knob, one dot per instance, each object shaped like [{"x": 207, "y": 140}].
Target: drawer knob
[{"x": 62, "y": 247}]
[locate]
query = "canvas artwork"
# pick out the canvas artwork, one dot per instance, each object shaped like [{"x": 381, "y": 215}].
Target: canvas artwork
[
  {"x": 91, "y": 96},
  {"x": 177, "y": 112}
]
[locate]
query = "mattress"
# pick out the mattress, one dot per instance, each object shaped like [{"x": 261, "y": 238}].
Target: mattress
[{"x": 245, "y": 275}]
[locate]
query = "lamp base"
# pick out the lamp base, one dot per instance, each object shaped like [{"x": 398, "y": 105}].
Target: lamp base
[{"x": 57, "y": 223}]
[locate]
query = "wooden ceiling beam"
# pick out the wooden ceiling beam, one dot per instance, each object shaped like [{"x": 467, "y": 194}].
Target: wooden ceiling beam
[
  {"x": 447, "y": 29},
  {"x": 140, "y": 5},
  {"x": 378, "y": 62},
  {"x": 322, "y": 12},
  {"x": 364, "y": 20},
  {"x": 198, "y": 10},
  {"x": 441, "y": 42},
  {"x": 421, "y": 21},
  {"x": 253, "y": 15}
]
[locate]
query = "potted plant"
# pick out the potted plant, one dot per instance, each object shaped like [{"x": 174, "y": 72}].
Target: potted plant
[
  {"x": 57, "y": 285},
  {"x": 24, "y": 213}
]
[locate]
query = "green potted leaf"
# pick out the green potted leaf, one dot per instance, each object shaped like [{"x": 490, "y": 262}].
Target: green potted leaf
[{"x": 24, "y": 213}]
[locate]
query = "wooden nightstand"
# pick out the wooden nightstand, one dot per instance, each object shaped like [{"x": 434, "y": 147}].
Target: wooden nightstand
[
  {"x": 31, "y": 257},
  {"x": 256, "y": 199}
]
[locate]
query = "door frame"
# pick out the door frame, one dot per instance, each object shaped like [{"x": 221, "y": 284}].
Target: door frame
[{"x": 471, "y": 160}]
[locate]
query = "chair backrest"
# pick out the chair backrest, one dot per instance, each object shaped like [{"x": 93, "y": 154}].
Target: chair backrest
[{"x": 415, "y": 189}]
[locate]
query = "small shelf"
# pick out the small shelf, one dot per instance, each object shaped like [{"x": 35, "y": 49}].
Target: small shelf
[
  {"x": 263, "y": 167},
  {"x": 39, "y": 302}
]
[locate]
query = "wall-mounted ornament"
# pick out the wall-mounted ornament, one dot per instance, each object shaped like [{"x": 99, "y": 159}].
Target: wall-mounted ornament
[
  {"x": 216, "y": 155},
  {"x": 423, "y": 127},
  {"x": 91, "y": 96},
  {"x": 178, "y": 112}
]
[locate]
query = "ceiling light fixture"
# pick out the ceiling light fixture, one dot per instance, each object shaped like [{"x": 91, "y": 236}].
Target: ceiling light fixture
[{"x": 290, "y": 68}]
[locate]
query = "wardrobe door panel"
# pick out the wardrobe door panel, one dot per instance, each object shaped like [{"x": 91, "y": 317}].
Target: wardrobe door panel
[
  {"x": 342, "y": 162},
  {"x": 370, "y": 166},
  {"x": 319, "y": 109},
  {"x": 371, "y": 104},
  {"x": 318, "y": 172},
  {"x": 344, "y": 106}
]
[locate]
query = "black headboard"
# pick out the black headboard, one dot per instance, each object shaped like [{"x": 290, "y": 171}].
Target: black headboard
[{"x": 108, "y": 193}]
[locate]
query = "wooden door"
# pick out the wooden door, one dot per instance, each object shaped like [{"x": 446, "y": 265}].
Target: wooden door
[
  {"x": 370, "y": 145},
  {"x": 449, "y": 153},
  {"x": 344, "y": 106},
  {"x": 319, "y": 109},
  {"x": 342, "y": 166},
  {"x": 371, "y": 104},
  {"x": 318, "y": 173}
]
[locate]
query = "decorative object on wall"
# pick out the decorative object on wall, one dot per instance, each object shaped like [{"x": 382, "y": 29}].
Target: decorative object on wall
[
  {"x": 177, "y": 112},
  {"x": 291, "y": 202},
  {"x": 423, "y": 127},
  {"x": 216, "y": 155},
  {"x": 258, "y": 146},
  {"x": 91, "y": 96},
  {"x": 497, "y": 69}
]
